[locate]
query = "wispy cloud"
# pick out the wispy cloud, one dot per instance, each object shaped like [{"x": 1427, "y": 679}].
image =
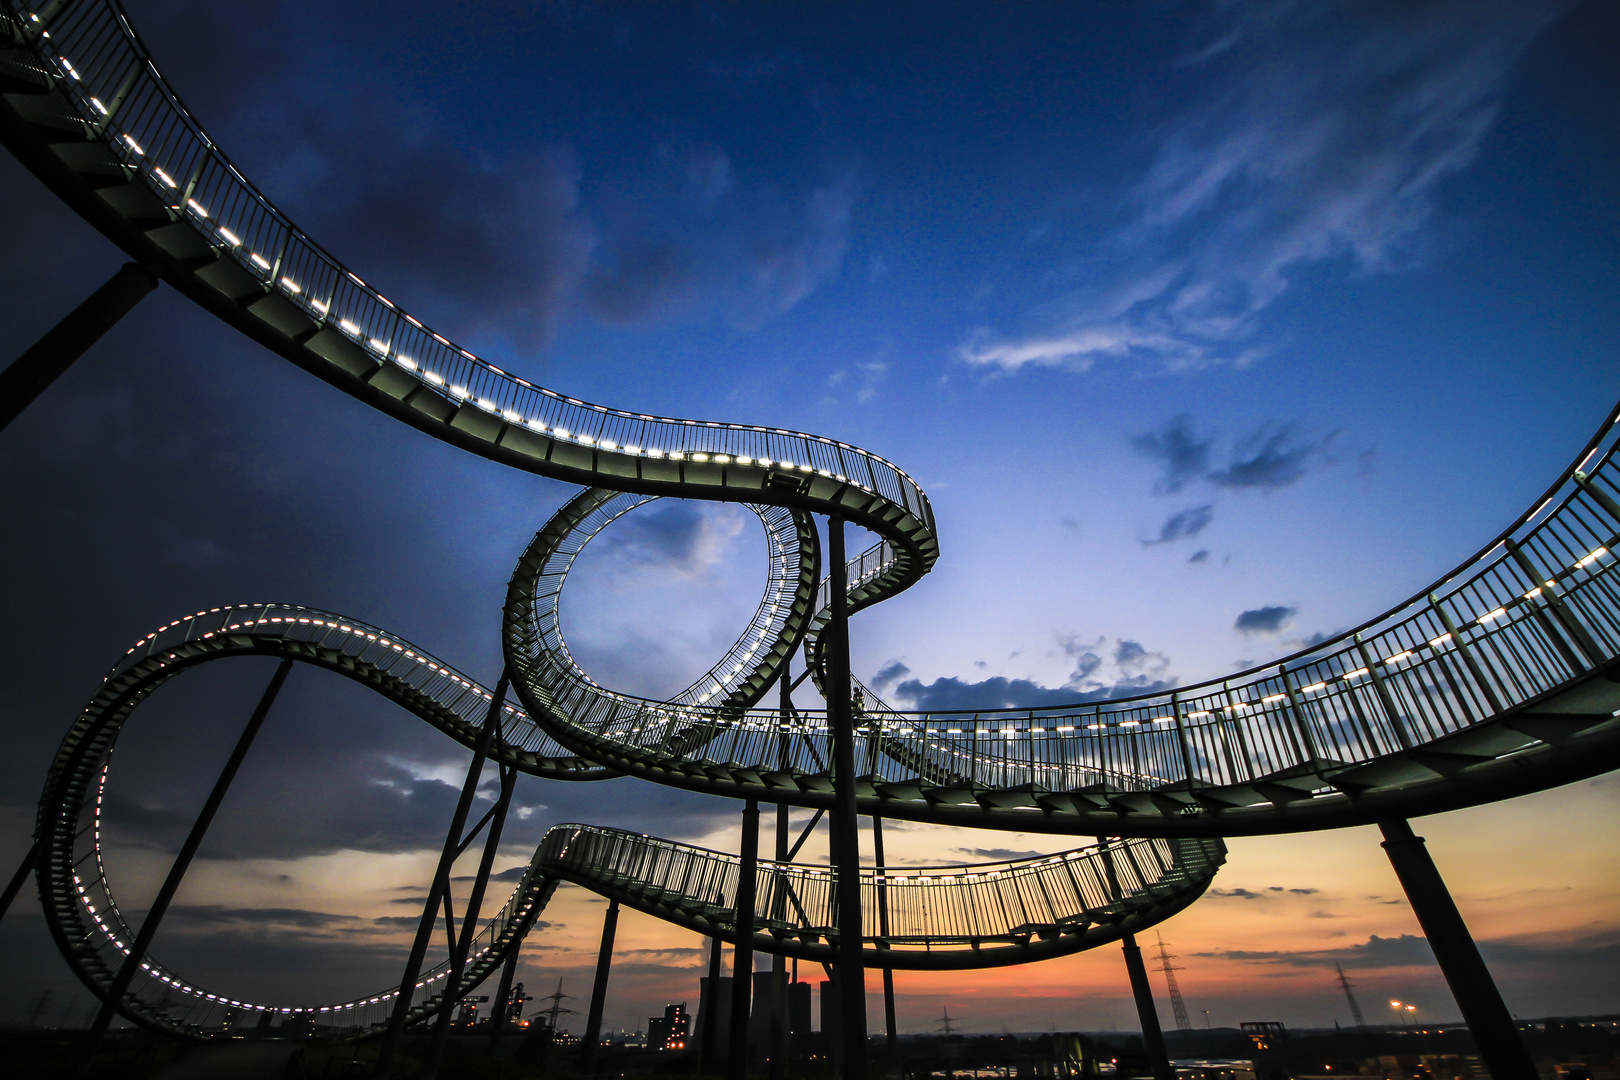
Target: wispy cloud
[{"x": 1321, "y": 131}]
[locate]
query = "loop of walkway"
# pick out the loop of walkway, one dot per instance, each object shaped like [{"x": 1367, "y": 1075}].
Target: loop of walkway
[{"x": 953, "y": 917}]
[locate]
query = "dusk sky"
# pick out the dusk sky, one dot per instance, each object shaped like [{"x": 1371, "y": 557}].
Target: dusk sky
[{"x": 1207, "y": 327}]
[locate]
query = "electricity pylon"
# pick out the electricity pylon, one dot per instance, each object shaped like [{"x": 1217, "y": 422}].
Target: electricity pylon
[
  {"x": 1169, "y": 969},
  {"x": 1355, "y": 1010}
]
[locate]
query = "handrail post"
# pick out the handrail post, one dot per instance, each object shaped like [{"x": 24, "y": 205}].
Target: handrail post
[
  {"x": 1547, "y": 589},
  {"x": 1597, "y": 494},
  {"x": 1396, "y": 722},
  {"x": 115, "y": 992},
  {"x": 1181, "y": 737},
  {"x": 1465, "y": 652},
  {"x": 1300, "y": 721}
]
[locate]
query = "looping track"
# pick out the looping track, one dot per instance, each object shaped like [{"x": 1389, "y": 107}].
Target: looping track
[{"x": 1499, "y": 679}]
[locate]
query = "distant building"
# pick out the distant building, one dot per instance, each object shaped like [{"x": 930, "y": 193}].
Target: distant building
[
  {"x": 670, "y": 1031},
  {"x": 799, "y": 997},
  {"x": 714, "y": 996}
]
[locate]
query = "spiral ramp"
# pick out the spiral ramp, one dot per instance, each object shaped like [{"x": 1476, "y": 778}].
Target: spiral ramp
[{"x": 1499, "y": 679}]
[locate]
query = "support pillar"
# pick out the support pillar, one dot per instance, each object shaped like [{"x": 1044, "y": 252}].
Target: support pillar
[
  {"x": 742, "y": 959},
  {"x": 453, "y": 990},
  {"x": 780, "y": 1035},
  {"x": 20, "y": 878},
  {"x": 1495, "y": 1033},
  {"x": 593, "y": 1019},
  {"x": 851, "y": 966},
  {"x": 710, "y": 1018},
  {"x": 1152, "y": 1034},
  {"x": 34, "y": 371},
  {"x": 890, "y": 1030},
  {"x": 177, "y": 871},
  {"x": 503, "y": 997},
  {"x": 440, "y": 883}
]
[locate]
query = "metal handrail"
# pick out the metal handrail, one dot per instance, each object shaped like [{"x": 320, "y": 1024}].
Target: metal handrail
[{"x": 123, "y": 99}]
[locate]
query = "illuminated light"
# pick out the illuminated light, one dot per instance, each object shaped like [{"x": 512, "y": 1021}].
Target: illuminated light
[
  {"x": 1593, "y": 556},
  {"x": 586, "y": 439},
  {"x": 348, "y": 327},
  {"x": 1273, "y": 697},
  {"x": 508, "y": 414},
  {"x": 1356, "y": 674},
  {"x": 537, "y": 425},
  {"x": 135, "y": 146},
  {"x": 1313, "y": 688},
  {"x": 700, "y": 457},
  {"x": 433, "y": 377},
  {"x": 1533, "y": 593},
  {"x": 561, "y": 433},
  {"x": 259, "y": 261},
  {"x": 1193, "y": 714},
  {"x": 1398, "y": 657},
  {"x": 236, "y": 241},
  {"x": 632, "y": 449},
  {"x": 1164, "y": 720},
  {"x": 1128, "y": 723},
  {"x": 606, "y": 445},
  {"x": 953, "y": 731},
  {"x": 163, "y": 176},
  {"x": 405, "y": 362},
  {"x": 485, "y": 404},
  {"x": 1491, "y": 616},
  {"x": 197, "y": 207},
  {"x": 458, "y": 392},
  {"x": 98, "y": 106},
  {"x": 318, "y": 305},
  {"x": 1065, "y": 729},
  {"x": 380, "y": 346},
  {"x": 745, "y": 461}
]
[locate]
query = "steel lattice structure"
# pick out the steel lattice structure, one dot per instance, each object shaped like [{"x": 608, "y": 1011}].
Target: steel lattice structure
[{"x": 1499, "y": 679}]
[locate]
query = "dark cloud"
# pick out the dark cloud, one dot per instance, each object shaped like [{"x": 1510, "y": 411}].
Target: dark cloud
[
  {"x": 692, "y": 240},
  {"x": 1199, "y": 556},
  {"x": 198, "y": 916},
  {"x": 1178, "y": 449},
  {"x": 1272, "y": 457},
  {"x": 1103, "y": 670},
  {"x": 997, "y": 854},
  {"x": 1264, "y": 621},
  {"x": 1184, "y": 525},
  {"x": 889, "y": 674},
  {"x": 677, "y": 536}
]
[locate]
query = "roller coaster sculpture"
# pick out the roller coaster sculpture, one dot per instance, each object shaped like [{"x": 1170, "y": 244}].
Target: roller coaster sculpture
[{"x": 1500, "y": 679}]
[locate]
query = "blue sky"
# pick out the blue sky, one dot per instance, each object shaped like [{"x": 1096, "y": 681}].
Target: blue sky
[{"x": 1206, "y": 327}]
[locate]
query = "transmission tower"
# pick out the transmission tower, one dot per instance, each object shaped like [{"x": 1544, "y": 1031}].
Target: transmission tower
[
  {"x": 557, "y": 1009},
  {"x": 1169, "y": 969},
  {"x": 1349, "y": 995},
  {"x": 944, "y": 1023}
]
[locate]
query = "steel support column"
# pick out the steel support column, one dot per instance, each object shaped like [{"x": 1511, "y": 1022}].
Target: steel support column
[
  {"x": 846, "y": 826},
  {"x": 503, "y": 997},
  {"x": 593, "y": 1019},
  {"x": 709, "y": 1021},
  {"x": 441, "y": 881},
  {"x": 453, "y": 990},
  {"x": 34, "y": 371},
  {"x": 1495, "y": 1033},
  {"x": 779, "y": 984},
  {"x": 177, "y": 871},
  {"x": 891, "y": 1043},
  {"x": 742, "y": 958},
  {"x": 1147, "y": 1012},
  {"x": 14, "y": 886}
]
